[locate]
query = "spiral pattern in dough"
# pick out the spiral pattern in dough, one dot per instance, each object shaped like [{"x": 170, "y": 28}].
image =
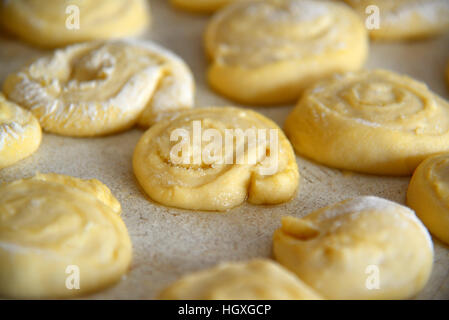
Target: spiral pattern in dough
[
  {"x": 20, "y": 133},
  {"x": 428, "y": 195},
  {"x": 205, "y": 6},
  {"x": 361, "y": 248},
  {"x": 372, "y": 121},
  {"x": 216, "y": 180},
  {"x": 56, "y": 23},
  {"x": 267, "y": 52},
  {"x": 260, "y": 279},
  {"x": 95, "y": 88},
  {"x": 48, "y": 226},
  {"x": 404, "y": 19}
]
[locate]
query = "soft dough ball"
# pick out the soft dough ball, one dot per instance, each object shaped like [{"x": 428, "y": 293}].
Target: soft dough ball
[
  {"x": 267, "y": 52},
  {"x": 215, "y": 159},
  {"x": 259, "y": 279},
  {"x": 374, "y": 122},
  {"x": 98, "y": 88},
  {"x": 205, "y": 6},
  {"x": 405, "y": 19},
  {"x": 428, "y": 195},
  {"x": 20, "y": 133},
  {"x": 52, "y": 226},
  {"x": 362, "y": 248},
  {"x": 53, "y": 23}
]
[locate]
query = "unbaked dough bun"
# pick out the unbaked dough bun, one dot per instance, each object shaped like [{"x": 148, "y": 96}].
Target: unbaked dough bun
[
  {"x": 267, "y": 52},
  {"x": 202, "y": 6},
  {"x": 404, "y": 19},
  {"x": 222, "y": 171},
  {"x": 374, "y": 122},
  {"x": 260, "y": 279},
  {"x": 20, "y": 133},
  {"x": 97, "y": 88},
  {"x": 54, "y": 23},
  {"x": 362, "y": 248},
  {"x": 428, "y": 195},
  {"x": 53, "y": 226}
]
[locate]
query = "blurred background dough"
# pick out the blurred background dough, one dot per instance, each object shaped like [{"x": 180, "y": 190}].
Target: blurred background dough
[
  {"x": 267, "y": 52},
  {"x": 376, "y": 122},
  {"x": 20, "y": 133},
  {"x": 361, "y": 248},
  {"x": 260, "y": 279},
  {"x": 44, "y": 23},
  {"x": 203, "y": 6}
]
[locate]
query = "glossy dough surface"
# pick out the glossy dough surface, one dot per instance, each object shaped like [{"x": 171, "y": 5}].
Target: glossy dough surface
[
  {"x": 406, "y": 19},
  {"x": 52, "y": 23},
  {"x": 216, "y": 183},
  {"x": 267, "y": 52},
  {"x": 260, "y": 279},
  {"x": 96, "y": 88},
  {"x": 428, "y": 195},
  {"x": 362, "y": 248},
  {"x": 375, "y": 122},
  {"x": 20, "y": 133},
  {"x": 50, "y": 222},
  {"x": 201, "y": 5}
]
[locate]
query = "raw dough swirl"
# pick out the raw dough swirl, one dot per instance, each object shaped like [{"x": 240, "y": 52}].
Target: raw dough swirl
[
  {"x": 405, "y": 19},
  {"x": 362, "y": 248},
  {"x": 56, "y": 23},
  {"x": 428, "y": 195},
  {"x": 259, "y": 279},
  {"x": 375, "y": 122},
  {"x": 221, "y": 182},
  {"x": 95, "y": 88},
  {"x": 205, "y": 6},
  {"x": 20, "y": 133},
  {"x": 267, "y": 52},
  {"x": 51, "y": 222}
]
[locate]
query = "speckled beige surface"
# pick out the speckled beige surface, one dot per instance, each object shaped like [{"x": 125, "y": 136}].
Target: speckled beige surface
[{"x": 169, "y": 242}]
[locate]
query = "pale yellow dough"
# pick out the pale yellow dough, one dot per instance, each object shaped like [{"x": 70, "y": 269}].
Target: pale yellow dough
[
  {"x": 20, "y": 133},
  {"x": 362, "y": 248},
  {"x": 428, "y": 195},
  {"x": 93, "y": 88},
  {"x": 267, "y": 52},
  {"x": 52, "y": 23},
  {"x": 260, "y": 279},
  {"x": 51, "y": 222},
  {"x": 203, "y": 6},
  {"x": 215, "y": 184},
  {"x": 375, "y": 122},
  {"x": 405, "y": 19}
]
